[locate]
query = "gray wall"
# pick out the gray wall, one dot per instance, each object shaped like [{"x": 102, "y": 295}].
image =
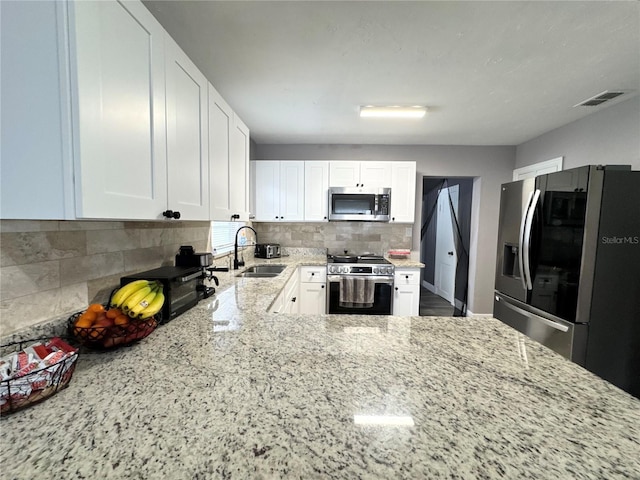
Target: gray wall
[
  {"x": 491, "y": 166},
  {"x": 608, "y": 136}
]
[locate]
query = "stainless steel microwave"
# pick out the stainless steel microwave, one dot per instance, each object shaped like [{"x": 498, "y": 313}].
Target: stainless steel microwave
[{"x": 364, "y": 204}]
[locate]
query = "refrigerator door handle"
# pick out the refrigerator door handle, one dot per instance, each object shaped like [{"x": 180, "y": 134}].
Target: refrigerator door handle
[
  {"x": 527, "y": 239},
  {"x": 546, "y": 321},
  {"x": 520, "y": 246}
]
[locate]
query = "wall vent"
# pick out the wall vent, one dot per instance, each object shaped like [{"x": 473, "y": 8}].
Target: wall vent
[{"x": 600, "y": 98}]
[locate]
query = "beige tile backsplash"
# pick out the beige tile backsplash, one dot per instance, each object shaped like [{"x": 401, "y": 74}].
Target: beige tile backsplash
[
  {"x": 52, "y": 268},
  {"x": 49, "y": 269},
  {"x": 357, "y": 237}
]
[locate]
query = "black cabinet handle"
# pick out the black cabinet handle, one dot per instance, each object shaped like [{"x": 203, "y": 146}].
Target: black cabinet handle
[
  {"x": 293, "y": 299},
  {"x": 277, "y": 216},
  {"x": 393, "y": 219},
  {"x": 406, "y": 276},
  {"x": 449, "y": 253},
  {"x": 396, "y": 289},
  {"x": 313, "y": 273},
  {"x": 321, "y": 286},
  {"x": 325, "y": 218},
  {"x": 171, "y": 214}
]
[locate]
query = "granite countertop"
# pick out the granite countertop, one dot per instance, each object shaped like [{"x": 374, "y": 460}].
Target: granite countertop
[{"x": 227, "y": 390}]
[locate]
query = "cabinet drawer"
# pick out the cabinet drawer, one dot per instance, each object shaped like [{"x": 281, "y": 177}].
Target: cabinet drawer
[
  {"x": 313, "y": 274},
  {"x": 409, "y": 276}
]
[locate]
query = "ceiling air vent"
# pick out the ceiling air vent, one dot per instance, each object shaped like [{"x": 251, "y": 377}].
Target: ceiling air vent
[{"x": 599, "y": 99}]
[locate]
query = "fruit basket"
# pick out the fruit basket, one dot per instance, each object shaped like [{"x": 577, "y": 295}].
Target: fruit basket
[
  {"x": 109, "y": 335},
  {"x": 33, "y": 371},
  {"x": 132, "y": 313}
]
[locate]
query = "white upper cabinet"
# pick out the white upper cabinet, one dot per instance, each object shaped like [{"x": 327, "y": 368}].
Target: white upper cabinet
[
  {"x": 359, "y": 174},
  {"x": 375, "y": 174},
  {"x": 107, "y": 118},
  {"x": 118, "y": 106},
  {"x": 316, "y": 191},
  {"x": 35, "y": 148},
  {"x": 187, "y": 136},
  {"x": 279, "y": 191},
  {"x": 220, "y": 127},
  {"x": 344, "y": 174},
  {"x": 403, "y": 192},
  {"x": 239, "y": 169}
]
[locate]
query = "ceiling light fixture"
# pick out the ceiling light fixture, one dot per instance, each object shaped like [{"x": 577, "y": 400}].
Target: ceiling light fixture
[{"x": 370, "y": 111}]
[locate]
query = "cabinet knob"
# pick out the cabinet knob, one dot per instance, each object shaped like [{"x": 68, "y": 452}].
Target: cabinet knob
[
  {"x": 396, "y": 289},
  {"x": 277, "y": 216},
  {"x": 406, "y": 276},
  {"x": 293, "y": 299},
  {"x": 393, "y": 219},
  {"x": 325, "y": 218},
  {"x": 171, "y": 214},
  {"x": 313, "y": 273},
  {"x": 321, "y": 286}
]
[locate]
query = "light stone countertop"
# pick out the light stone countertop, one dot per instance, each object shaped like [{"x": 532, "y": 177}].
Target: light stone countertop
[{"x": 227, "y": 390}]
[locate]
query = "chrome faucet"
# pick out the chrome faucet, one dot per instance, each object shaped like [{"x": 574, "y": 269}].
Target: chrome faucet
[{"x": 237, "y": 263}]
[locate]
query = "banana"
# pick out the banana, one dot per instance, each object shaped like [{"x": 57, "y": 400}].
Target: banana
[
  {"x": 154, "y": 307},
  {"x": 135, "y": 310},
  {"x": 135, "y": 298},
  {"x": 121, "y": 295}
]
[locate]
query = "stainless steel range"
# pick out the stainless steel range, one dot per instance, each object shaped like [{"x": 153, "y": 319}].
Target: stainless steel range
[{"x": 359, "y": 284}]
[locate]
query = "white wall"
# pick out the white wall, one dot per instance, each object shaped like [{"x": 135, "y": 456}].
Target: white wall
[
  {"x": 608, "y": 136},
  {"x": 491, "y": 166}
]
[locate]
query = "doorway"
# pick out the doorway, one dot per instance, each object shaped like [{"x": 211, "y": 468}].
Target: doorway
[{"x": 444, "y": 245}]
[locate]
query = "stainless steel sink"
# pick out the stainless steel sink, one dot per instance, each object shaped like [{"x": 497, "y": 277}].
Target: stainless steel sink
[{"x": 262, "y": 271}]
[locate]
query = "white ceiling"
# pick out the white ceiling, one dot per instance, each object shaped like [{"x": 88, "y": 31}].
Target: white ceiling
[{"x": 492, "y": 73}]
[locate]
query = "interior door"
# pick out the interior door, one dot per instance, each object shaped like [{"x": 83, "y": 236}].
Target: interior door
[{"x": 446, "y": 257}]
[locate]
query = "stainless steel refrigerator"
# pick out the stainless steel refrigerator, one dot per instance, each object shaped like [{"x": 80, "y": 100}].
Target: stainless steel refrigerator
[{"x": 568, "y": 268}]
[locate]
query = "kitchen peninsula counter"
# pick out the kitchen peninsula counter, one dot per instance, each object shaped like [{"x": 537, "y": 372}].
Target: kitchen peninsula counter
[{"x": 227, "y": 390}]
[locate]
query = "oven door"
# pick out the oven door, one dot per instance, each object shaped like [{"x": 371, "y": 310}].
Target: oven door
[{"x": 382, "y": 297}]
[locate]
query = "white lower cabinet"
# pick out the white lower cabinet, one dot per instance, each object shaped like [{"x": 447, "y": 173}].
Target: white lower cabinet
[
  {"x": 313, "y": 291},
  {"x": 291, "y": 302},
  {"x": 406, "y": 296}
]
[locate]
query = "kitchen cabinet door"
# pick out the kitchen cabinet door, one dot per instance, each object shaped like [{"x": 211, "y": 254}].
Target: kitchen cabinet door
[
  {"x": 403, "y": 192},
  {"x": 36, "y": 130},
  {"x": 117, "y": 58},
  {"x": 344, "y": 174},
  {"x": 313, "y": 298},
  {"x": 375, "y": 174},
  {"x": 360, "y": 174},
  {"x": 187, "y": 136},
  {"x": 239, "y": 169},
  {"x": 291, "y": 191},
  {"x": 279, "y": 191},
  {"x": 266, "y": 190},
  {"x": 220, "y": 171},
  {"x": 406, "y": 296},
  {"x": 316, "y": 191}
]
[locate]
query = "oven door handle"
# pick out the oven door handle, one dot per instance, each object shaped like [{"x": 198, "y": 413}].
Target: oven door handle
[{"x": 376, "y": 278}]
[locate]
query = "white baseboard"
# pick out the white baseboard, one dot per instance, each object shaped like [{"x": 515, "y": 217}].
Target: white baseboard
[
  {"x": 485, "y": 315},
  {"x": 429, "y": 287}
]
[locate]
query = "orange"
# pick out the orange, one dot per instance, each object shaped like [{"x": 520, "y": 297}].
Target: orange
[
  {"x": 88, "y": 316},
  {"x": 122, "y": 320},
  {"x": 95, "y": 307},
  {"x": 83, "y": 322},
  {"x": 113, "y": 313}
]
